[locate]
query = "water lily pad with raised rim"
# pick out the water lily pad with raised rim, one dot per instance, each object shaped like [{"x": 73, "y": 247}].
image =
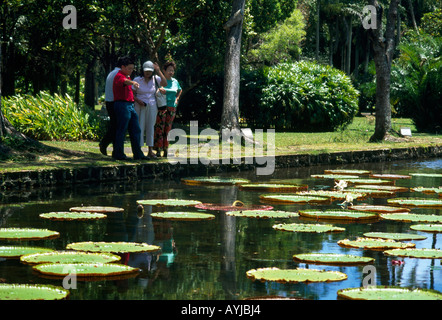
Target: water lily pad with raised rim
[
  {"x": 373, "y": 193},
  {"x": 169, "y": 202},
  {"x": 347, "y": 172},
  {"x": 389, "y": 176},
  {"x": 214, "y": 181},
  {"x": 388, "y": 293},
  {"x": 394, "y": 236},
  {"x": 221, "y": 207},
  {"x": 183, "y": 216},
  {"x": 381, "y": 182},
  {"x": 378, "y": 209},
  {"x": 262, "y": 214},
  {"x": 332, "y": 259},
  {"x": 69, "y": 257},
  {"x": 32, "y": 292},
  {"x": 430, "y": 228},
  {"x": 273, "y": 187},
  {"x": 336, "y": 214},
  {"x": 334, "y": 195},
  {"x": 374, "y": 244},
  {"x": 85, "y": 270},
  {"x": 416, "y": 202},
  {"x": 429, "y": 190},
  {"x": 295, "y": 275},
  {"x": 381, "y": 187},
  {"x": 310, "y": 228},
  {"x": 72, "y": 216},
  {"x": 15, "y": 252},
  {"x": 285, "y": 198},
  {"x": 112, "y": 247},
  {"x": 97, "y": 209},
  {"x": 427, "y": 175},
  {"x": 415, "y": 253},
  {"x": 334, "y": 176},
  {"x": 27, "y": 234},
  {"x": 412, "y": 217}
]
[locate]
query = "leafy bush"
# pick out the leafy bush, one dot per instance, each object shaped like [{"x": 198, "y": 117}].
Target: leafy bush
[
  {"x": 47, "y": 117},
  {"x": 302, "y": 96}
]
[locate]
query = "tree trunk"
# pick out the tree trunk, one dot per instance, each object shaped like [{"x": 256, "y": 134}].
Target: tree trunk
[{"x": 318, "y": 11}]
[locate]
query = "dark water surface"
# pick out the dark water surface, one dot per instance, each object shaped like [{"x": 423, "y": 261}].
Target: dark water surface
[{"x": 209, "y": 259}]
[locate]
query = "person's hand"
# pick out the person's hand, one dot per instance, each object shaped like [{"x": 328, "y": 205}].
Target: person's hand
[
  {"x": 156, "y": 66},
  {"x": 162, "y": 90},
  {"x": 136, "y": 85}
]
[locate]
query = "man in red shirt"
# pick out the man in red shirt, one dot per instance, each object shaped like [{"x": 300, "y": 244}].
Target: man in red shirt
[{"x": 127, "y": 118}]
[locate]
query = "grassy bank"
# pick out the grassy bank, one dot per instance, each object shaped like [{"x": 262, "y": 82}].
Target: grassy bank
[{"x": 65, "y": 154}]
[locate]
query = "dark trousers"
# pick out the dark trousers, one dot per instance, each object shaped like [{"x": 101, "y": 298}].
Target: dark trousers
[
  {"x": 127, "y": 119},
  {"x": 109, "y": 136}
]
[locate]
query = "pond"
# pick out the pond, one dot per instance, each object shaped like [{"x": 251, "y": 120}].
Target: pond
[{"x": 209, "y": 259}]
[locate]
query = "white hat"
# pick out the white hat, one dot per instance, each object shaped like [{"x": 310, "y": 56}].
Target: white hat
[{"x": 148, "y": 66}]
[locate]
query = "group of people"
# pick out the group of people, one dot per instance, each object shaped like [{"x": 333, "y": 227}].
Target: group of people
[{"x": 132, "y": 106}]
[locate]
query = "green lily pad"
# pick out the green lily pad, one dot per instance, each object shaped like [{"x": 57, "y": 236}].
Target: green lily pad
[
  {"x": 428, "y": 175},
  {"x": 168, "y": 202},
  {"x": 234, "y": 207},
  {"x": 374, "y": 244},
  {"x": 381, "y": 182},
  {"x": 347, "y": 172},
  {"x": 214, "y": 181},
  {"x": 412, "y": 217},
  {"x": 334, "y": 195},
  {"x": 187, "y": 216},
  {"x": 337, "y": 214},
  {"x": 372, "y": 192},
  {"x": 295, "y": 275},
  {"x": 415, "y": 253},
  {"x": 431, "y": 228},
  {"x": 97, "y": 209},
  {"x": 273, "y": 187},
  {"x": 85, "y": 270},
  {"x": 276, "y": 198},
  {"x": 388, "y": 293},
  {"x": 389, "y": 176},
  {"x": 416, "y": 202},
  {"x": 32, "y": 292},
  {"x": 381, "y": 187},
  {"x": 14, "y": 252},
  {"x": 394, "y": 236},
  {"x": 263, "y": 214},
  {"x": 71, "y": 216},
  {"x": 378, "y": 209},
  {"x": 27, "y": 234},
  {"x": 428, "y": 190},
  {"x": 311, "y": 228},
  {"x": 112, "y": 247},
  {"x": 331, "y": 259},
  {"x": 69, "y": 257},
  {"x": 334, "y": 176}
]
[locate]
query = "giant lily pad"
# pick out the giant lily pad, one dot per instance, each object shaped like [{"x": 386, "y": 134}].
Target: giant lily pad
[
  {"x": 347, "y": 172},
  {"x": 331, "y": 259},
  {"x": 428, "y": 190},
  {"x": 415, "y": 253},
  {"x": 334, "y": 176},
  {"x": 168, "y": 202},
  {"x": 333, "y": 195},
  {"x": 311, "y": 228},
  {"x": 263, "y": 214},
  {"x": 428, "y": 175},
  {"x": 27, "y": 234},
  {"x": 372, "y": 192},
  {"x": 394, "y": 236},
  {"x": 389, "y": 176},
  {"x": 374, "y": 244},
  {"x": 381, "y": 187},
  {"x": 333, "y": 214},
  {"x": 214, "y": 181},
  {"x": 97, "y": 209},
  {"x": 32, "y": 292},
  {"x": 431, "y": 228},
  {"x": 113, "y": 247},
  {"x": 85, "y": 270},
  {"x": 13, "y": 252},
  {"x": 416, "y": 202},
  {"x": 412, "y": 217},
  {"x": 185, "y": 216},
  {"x": 378, "y": 209},
  {"x": 233, "y": 207},
  {"x": 381, "y": 182},
  {"x": 71, "y": 216},
  {"x": 276, "y": 198},
  {"x": 295, "y": 275},
  {"x": 388, "y": 293},
  {"x": 273, "y": 187},
  {"x": 69, "y": 257}
]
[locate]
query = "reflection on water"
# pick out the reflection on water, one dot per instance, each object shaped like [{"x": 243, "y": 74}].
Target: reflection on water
[{"x": 209, "y": 259}]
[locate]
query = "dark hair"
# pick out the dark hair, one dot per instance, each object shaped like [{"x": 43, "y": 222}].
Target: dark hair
[
  {"x": 168, "y": 64},
  {"x": 125, "y": 61}
]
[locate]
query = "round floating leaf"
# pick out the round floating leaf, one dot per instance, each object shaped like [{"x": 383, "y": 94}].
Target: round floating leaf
[
  {"x": 380, "y": 182},
  {"x": 412, "y": 217},
  {"x": 263, "y": 214},
  {"x": 428, "y": 190},
  {"x": 169, "y": 202},
  {"x": 389, "y": 176},
  {"x": 13, "y": 252},
  {"x": 188, "y": 216},
  {"x": 347, "y": 172},
  {"x": 338, "y": 215},
  {"x": 394, "y": 236},
  {"x": 71, "y": 216},
  {"x": 374, "y": 244},
  {"x": 334, "y": 176},
  {"x": 372, "y": 192},
  {"x": 83, "y": 270},
  {"x": 331, "y": 259},
  {"x": 273, "y": 187},
  {"x": 384, "y": 188},
  {"x": 431, "y": 228},
  {"x": 293, "y": 198},
  {"x": 97, "y": 209},
  {"x": 333, "y": 195},
  {"x": 220, "y": 207},
  {"x": 27, "y": 234},
  {"x": 428, "y": 175},
  {"x": 295, "y": 275},
  {"x": 416, "y": 202},
  {"x": 32, "y": 292},
  {"x": 415, "y": 253},
  {"x": 69, "y": 257},
  {"x": 378, "y": 209},
  {"x": 311, "y": 228},
  {"x": 113, "y": 247},
  {"x": 214, "y": 181},
  {"x": 388, "y": 293}
]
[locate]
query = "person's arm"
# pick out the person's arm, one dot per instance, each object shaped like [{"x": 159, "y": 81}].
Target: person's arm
[
  {"x": 163, "y": 78},
  {"x": 128, "y": 82}
]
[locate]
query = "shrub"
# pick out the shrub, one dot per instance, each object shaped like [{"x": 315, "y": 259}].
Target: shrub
[{"x": 47, "y": 117}]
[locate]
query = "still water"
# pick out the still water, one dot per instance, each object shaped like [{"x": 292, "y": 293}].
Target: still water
[{"x": 209, "y": 259}]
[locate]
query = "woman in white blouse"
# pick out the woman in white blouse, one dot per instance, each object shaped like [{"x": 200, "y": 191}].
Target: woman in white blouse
[{"x": 145, "y": 103}]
